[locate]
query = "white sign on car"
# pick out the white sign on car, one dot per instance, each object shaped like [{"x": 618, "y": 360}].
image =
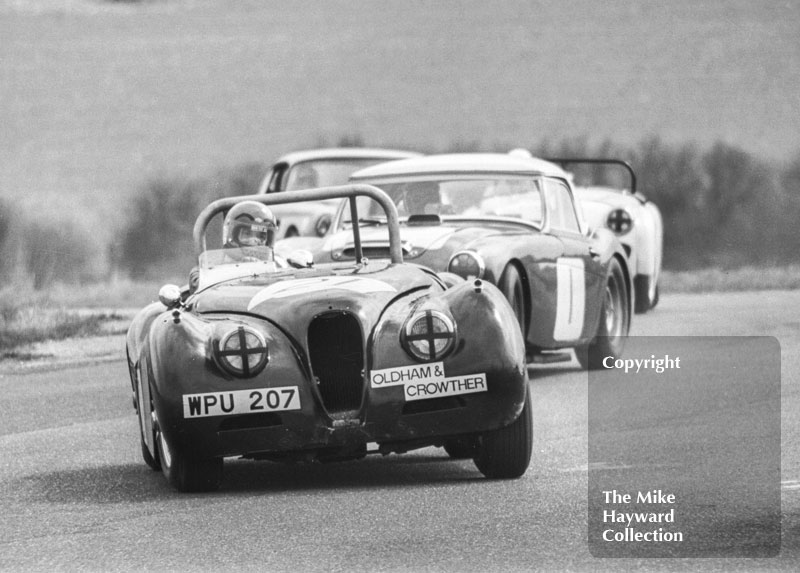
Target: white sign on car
[{"x": 423, "y": 381}]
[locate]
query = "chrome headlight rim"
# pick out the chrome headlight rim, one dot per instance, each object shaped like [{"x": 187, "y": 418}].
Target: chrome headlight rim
[
  {"x": 479, "y": 262},
  {"x": 323, "y": 225},
  {"x": 619, "y": 221},
  {"x": 242, "y": 343},
  {"x": 410, "y": 340}
]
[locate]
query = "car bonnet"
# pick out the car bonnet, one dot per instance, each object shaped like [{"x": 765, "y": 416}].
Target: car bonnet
[
  {"x": 292, "y": 300},
  {"x": 416, "y": 239}
]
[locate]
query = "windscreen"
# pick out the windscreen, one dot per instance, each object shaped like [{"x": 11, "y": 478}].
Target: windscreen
[
  {"x": 514, "y": 197},
  {"x": 217, "y": 257},
  {"x": 325, "y": 172},
  {"x": 224, "y": 264}
]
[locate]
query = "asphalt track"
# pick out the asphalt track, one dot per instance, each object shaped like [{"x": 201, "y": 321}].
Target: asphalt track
[{"x": 76, "y": 496}]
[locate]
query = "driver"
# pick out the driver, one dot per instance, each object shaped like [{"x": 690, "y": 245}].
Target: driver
[
  {"x": 422, "y": 198},
  {"x": 247, "y": 226}
]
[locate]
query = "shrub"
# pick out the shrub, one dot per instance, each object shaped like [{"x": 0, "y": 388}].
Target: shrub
[
  {"x": 786, "y": 235},
  {"x": 56, "y": 252},
  {"x": 157, "y": 240},
  {"x": 39, "y": 254},
  {"x": 672, "y": 177},
  {"x": 719, "y": 205},
  {"x": 5, "y": 234},
  {"x": 722, "y": 206}
]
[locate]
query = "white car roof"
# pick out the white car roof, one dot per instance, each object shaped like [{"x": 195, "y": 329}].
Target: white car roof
[
  {"x": 608, "y": 195},
  {"x": 345, "y": 153},
  {"x": 462, "y": 164}
]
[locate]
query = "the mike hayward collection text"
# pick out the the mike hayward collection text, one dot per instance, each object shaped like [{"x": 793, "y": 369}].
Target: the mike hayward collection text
[{"x": 636, "y": 525}]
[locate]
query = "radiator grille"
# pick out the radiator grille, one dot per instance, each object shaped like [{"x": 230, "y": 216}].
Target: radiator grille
[{"x": 337, "y": 360}]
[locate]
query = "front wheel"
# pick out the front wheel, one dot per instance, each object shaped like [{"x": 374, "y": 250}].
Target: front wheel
[
  {"x": 512, "y": 288},
  {"x": 646, "y": 293},
  {"x": 614, "y": 322},
  {"x": 188, "y": 474},
  {"x": 505, "y": 453},
  {"x": 152, "y": 461}
]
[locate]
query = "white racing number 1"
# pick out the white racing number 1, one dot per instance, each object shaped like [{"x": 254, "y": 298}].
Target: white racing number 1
[{"x": 570, "y": 298}]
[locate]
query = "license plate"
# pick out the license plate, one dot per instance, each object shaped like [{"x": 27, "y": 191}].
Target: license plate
[{"x": 241, "y": 402}]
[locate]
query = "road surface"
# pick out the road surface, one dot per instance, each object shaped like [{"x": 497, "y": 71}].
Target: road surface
[{"x": 75, "y": 494}]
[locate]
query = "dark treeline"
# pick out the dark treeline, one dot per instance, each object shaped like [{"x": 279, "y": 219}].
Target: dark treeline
[
  {"x": 157, "y": 239},
  {"x": 722, "y": 206},
  {"x": 42, "y": 251}
]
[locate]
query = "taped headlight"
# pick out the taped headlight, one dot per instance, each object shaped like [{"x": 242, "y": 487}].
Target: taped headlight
[
  {"x": 619, "y": 221},
  {"x": 242, "y": 352},
  {"x": 429, "y": 335},
  {"x": 467, "y": 265}
]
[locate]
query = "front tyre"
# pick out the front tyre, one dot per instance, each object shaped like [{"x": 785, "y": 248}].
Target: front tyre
[
  {"x": 505, "y": 453},
  {"x": 614, "y": 322},
  {"x": 646, "y": 293},
  {"x": 188, "y": 474},
  {"x": 153, "y": 463},
  {"x": 512, "y": 288}
]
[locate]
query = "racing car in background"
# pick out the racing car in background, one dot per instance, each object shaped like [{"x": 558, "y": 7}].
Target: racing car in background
[
  {"x": 507, "y": 220},
  {"x": 316, "y": 361},
  {"x": 312, "y": 168},
  {"x": 635, "y": 220}
]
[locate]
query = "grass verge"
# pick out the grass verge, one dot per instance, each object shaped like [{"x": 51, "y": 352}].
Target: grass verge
[
  {"x": 55, "y": 324},
  {"x": 723, "y": 280},
  {"x": 28, "y": 316}
]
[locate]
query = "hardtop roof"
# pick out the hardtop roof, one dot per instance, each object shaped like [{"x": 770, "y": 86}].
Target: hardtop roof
[
  {"x": 345, "y": 153},
  {"x": 460, "y": 163}
]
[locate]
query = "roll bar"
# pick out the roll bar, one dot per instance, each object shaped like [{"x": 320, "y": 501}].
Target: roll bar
[
  {"x": 302, "y": 196},
  {"x": 564, "y": 161}
]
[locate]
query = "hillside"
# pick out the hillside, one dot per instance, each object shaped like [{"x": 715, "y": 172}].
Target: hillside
[{"x": 99, "y": 96}]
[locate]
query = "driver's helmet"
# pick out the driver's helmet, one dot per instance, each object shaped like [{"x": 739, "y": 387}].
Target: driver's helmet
[
  {"x": 422, "y": 197},
  {"x": 249, "y": 224}
]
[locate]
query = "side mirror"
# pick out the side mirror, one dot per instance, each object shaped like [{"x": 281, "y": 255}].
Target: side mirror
[
  {"x": 300, "y": 259},
  {"x": 170, "y": 295}
]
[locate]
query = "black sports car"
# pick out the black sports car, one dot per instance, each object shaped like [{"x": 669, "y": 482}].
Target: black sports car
[{"x": 326, "y": 361}]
